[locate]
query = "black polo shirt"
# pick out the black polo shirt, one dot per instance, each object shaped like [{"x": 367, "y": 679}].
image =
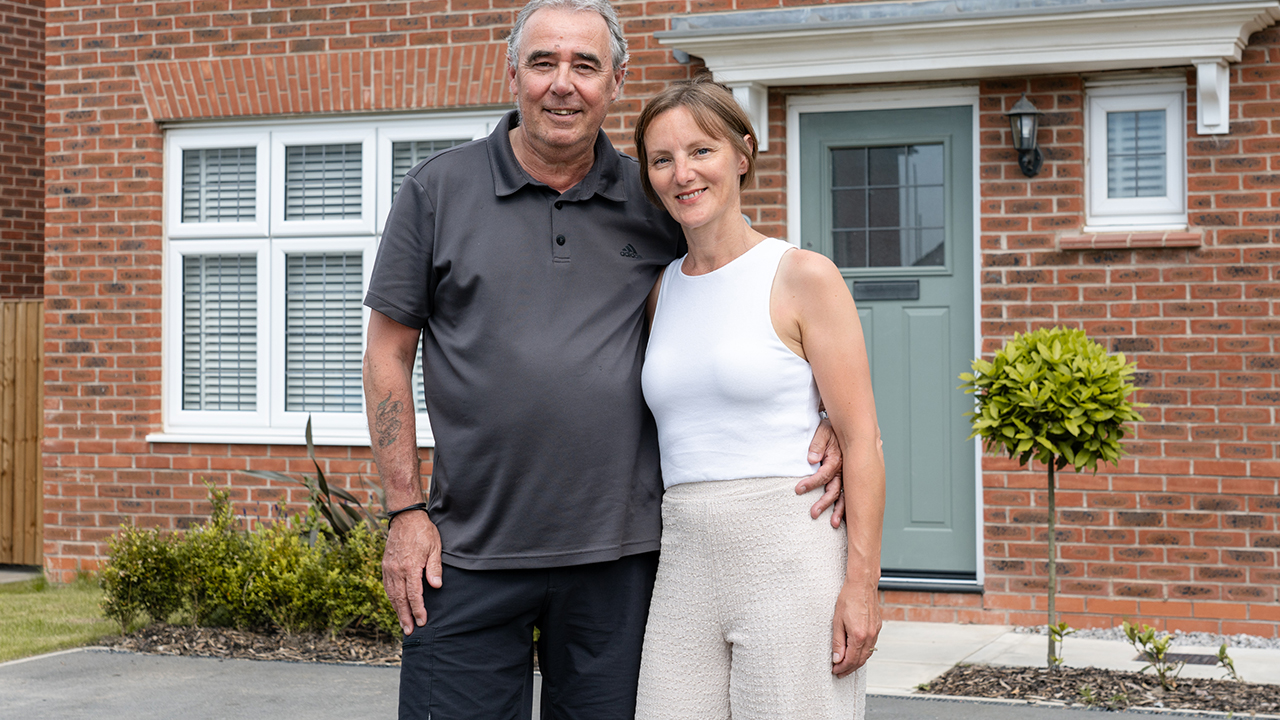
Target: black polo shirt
[{"x": 532, "y": 305}]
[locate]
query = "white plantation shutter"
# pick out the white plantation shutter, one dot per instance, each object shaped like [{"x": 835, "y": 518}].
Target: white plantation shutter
[
  {"x": 404, "y": 155},
  {"x": 323, "y": 182},
  {"x": 219, "y": 332},
  {"x": 419, "y": 388},
  {"x": 1136, "y": 154},
  {"x": 323, "y": 332},
  {"x": 219, "y": 185}
]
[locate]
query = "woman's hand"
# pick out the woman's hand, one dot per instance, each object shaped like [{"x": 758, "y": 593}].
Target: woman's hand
[{"x": 856, "y": 626}]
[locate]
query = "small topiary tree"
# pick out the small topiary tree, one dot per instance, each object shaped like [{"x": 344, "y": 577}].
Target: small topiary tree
[{"x": 1058, "y": 397}]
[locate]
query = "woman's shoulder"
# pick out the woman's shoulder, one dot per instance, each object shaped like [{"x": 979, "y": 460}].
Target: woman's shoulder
[{"x": 806, "y": 267}]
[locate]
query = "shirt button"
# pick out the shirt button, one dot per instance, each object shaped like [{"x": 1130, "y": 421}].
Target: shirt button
[
  {"x": 559, "y": 205},
  {"x": 559, "y": 239}
]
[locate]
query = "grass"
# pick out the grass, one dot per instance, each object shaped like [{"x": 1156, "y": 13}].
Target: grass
[{"x": 37, "y": 616}]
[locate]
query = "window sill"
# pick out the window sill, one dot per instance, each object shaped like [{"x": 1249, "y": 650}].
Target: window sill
[
  {"x": 288, "y": 437},
  {"x": 1140, "y": 240}
]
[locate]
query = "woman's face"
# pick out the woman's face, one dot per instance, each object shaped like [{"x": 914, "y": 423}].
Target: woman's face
[{"x": 695, "y": 174}]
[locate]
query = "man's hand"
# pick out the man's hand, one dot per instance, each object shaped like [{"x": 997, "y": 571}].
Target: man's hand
[
  {"x": 825, "y": 449},
  {"x": 413, "y": 549},
  {"x": 855, "y": 628}
]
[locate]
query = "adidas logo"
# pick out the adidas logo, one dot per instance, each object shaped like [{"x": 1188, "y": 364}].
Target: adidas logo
[{"x": 629, "y": 252}]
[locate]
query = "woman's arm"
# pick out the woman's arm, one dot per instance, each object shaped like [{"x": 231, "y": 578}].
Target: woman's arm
[{"x": 815, "y": 315}]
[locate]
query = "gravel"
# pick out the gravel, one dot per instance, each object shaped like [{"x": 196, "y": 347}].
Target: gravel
[{"x": 1192, "y": 639}]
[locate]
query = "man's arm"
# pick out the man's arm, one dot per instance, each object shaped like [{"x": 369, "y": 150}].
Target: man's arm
[
  {"x": 413, "y": 543},
  {"x": 825, "y": 450}
]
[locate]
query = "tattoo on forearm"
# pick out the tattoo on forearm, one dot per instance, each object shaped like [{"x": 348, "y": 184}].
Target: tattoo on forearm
[{"x": 387, "y": 421}]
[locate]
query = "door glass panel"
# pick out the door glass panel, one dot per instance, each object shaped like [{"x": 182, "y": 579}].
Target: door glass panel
[
  {"x": 850, "y": 209},
  {"x": 888, "y": 206},
  {"x": 885, "y": 248},
  {"x": 849, "y": 249}
]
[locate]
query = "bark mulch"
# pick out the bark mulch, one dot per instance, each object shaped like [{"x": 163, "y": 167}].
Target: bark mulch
[
  {"x": 238, "y": 644},
  {"x": 1109, "y": 689}
]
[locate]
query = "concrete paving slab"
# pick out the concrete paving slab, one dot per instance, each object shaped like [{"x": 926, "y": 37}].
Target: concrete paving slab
[
  {"x": 911, "y": 653},
  {"x": 17, "y": 573}
]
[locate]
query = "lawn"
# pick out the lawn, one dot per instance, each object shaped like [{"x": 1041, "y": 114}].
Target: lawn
[{"x": 37, "y": 617}]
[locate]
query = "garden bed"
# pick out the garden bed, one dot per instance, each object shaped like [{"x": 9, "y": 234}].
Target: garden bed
[
  {"x": 1110, "y": 689},
  {"x": 238, "y": 644}
]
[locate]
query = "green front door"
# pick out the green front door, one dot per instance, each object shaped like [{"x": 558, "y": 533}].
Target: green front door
[{"x": 888, "y": 195}]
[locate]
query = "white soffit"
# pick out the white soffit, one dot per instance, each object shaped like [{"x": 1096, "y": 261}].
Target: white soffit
[{"x": 965, "y": 39}]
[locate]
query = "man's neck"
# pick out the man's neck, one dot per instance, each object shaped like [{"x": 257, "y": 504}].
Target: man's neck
[{"x": 558, "y": 170}]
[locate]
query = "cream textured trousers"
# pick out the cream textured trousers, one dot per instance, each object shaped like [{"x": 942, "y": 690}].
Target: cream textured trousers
[{"x": 740, "y": 623}]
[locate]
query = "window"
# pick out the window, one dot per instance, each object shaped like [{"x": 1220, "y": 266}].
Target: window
[
  {"x": 272, "y": 231},
  {"x": 1136, "y": 151}
]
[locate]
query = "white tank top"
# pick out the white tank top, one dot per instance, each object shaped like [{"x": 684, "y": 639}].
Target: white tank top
[{"x": 731, "y": 400}]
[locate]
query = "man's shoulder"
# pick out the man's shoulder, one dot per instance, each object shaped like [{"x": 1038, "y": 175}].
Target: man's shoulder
[
  {"x": 453, "y": 164},
  {"x": 629, "y": 166}
]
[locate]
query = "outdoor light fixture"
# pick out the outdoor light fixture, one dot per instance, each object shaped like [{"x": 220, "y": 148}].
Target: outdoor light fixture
[{"x": 1024, "y": 120}]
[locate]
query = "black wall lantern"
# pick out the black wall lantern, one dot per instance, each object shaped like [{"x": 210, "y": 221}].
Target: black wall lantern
[{"x": 1024, "y": 120}]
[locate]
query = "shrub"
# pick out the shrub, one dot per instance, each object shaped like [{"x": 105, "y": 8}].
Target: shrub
[
  {"x": 143, "y": 577},
  {"x": 1056, "y": 396},
  {"x": 283, "y": 575}
]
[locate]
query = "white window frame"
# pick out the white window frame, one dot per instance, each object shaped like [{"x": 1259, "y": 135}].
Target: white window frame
[
  {"x": 270, "y": 238},
  {"x": 232, "y": 138},
  {"x": 179, "y": 418},
  {"x": 297, "y": 420},
  {"x": 1166, "y": 212},
  {"x": 473, "y": 127},
  {"x": 281, "y": 141}
]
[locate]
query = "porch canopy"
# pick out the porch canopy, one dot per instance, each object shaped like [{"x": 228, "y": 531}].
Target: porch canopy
[{"x": 932, "y": 40}]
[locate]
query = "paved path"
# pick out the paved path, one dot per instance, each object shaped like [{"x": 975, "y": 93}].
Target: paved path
[{"x": 103, "y": 685}]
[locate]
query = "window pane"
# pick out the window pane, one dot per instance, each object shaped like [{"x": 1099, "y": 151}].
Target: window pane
[
  {"x": 849, "y": 208},
  {"x": 405, "y": 155},
  {"x": 219, "y": 332},
  {"x": 219, "y": 185},
  {"x": 322, "y": 332},
  {"x": 323, "y": 182},
  {"x": 885, "y": 249},
  {"x": 849, "y": 249},
  {"x": 886, "y": 165},
  {"x": 849, "y": 167},
  {"x": 1136, "y": 162},
  {"x": 419, "y": 388}
]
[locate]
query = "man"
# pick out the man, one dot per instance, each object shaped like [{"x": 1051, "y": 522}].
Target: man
[{"x": 527, "y": 257}]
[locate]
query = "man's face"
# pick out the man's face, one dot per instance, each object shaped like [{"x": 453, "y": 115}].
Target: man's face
[{"x": 564, "y": 81}]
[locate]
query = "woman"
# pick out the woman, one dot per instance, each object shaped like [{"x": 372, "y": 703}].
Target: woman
[{"x": 758, "y": 611}]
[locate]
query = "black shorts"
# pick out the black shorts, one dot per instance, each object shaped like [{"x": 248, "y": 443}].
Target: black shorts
[{"x": 474, "y": 657}]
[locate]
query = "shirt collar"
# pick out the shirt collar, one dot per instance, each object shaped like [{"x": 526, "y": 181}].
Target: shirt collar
[{"x": 604, "y": 177}]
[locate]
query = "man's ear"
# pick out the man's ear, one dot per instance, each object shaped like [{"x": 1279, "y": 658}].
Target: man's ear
[{"x": 619, "y": 77}]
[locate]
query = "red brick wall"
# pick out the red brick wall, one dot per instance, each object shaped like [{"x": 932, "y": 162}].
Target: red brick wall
[
  {"x": 1182, "y": 534},
  {"x": 21, "y": 148}
]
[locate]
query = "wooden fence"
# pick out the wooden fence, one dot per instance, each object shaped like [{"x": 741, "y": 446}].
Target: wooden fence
[{"x": 21, "y": 428}]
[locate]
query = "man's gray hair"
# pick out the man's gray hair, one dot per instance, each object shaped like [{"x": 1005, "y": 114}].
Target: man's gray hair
[{"x": 617, "y": 44}]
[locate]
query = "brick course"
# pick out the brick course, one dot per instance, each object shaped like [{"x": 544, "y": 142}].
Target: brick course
[
  {"x": 1182, "y": 533},
  {"x": 21, "y": 149}
]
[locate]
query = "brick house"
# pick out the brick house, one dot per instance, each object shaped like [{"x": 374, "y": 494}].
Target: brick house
[{"x": 203, "y": 283}]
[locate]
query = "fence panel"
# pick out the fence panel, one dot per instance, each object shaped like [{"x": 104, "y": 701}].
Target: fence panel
[{"x": 21, "y": 429}]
